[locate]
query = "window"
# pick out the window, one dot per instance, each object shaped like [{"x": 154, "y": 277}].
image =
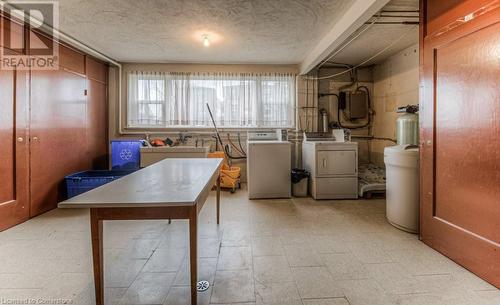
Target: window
[{"x": 236, "y": 100}]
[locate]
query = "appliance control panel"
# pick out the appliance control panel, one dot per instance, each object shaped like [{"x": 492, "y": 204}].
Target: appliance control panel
[{"x": 264, "y": 135}]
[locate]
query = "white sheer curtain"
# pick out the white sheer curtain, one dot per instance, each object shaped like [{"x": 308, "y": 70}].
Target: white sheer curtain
[
  {"x": 236, "y": 99},
  {"x": 146, "y": 99}
]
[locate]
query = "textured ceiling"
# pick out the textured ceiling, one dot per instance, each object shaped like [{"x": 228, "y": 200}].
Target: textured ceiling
[
  {"x": 241, "y": 31},
  {"x": 379, "y": 36}
]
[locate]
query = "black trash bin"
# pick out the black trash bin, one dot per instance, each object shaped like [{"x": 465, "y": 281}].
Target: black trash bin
[{"x": 300, "y": 180}]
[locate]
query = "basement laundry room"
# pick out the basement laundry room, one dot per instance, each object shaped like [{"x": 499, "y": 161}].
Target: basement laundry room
[{"x": 250, "y": 152}]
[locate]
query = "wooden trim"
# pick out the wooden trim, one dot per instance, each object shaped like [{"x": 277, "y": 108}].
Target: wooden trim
[
  {"x": 217, "y": 200},
  {"x": 193, "y": 253},
  {"x": 96, "y": 229},
  {"x": 462, "y": 13},
  {"x": 96, "y": 70},
  {"x": 422, "y": 33},
  {"x": 146, "y": 213},
  {"x": 97, "y": 81}
]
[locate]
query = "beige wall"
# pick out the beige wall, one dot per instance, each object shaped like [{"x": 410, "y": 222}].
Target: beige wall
[
  {"x": 395, "y": 84},
  {"x": 307, "y": 103},
  {"x": 392, "y": 83},
  {"x": 163, "y": 67},
  {"x": 205, "y": 134},
  {"x": 330, "y": 103}
]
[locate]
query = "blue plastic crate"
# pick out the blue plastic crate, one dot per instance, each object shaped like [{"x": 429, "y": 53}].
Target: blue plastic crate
[
  {"x": 85, "y": 181},
  {"x": 125, "y": 154}
]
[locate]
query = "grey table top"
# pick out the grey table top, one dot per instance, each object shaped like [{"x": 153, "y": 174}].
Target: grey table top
[{"x": 170, "y": 182}]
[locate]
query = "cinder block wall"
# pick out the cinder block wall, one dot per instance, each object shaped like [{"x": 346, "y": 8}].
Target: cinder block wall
[{"x": 395, "y": 84}]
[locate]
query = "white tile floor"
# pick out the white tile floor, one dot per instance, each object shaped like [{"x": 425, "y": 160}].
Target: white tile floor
[{"x": 279, "y": 252}]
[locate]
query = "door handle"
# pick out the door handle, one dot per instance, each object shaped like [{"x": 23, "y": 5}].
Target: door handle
[
  {"x": 20, "y": 139},
  {"x": 324, "y": 162},
  {"x": 35, "y": 139}
]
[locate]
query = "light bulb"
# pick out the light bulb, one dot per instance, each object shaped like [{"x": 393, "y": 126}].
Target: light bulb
[{"x": 206, "y": 42}]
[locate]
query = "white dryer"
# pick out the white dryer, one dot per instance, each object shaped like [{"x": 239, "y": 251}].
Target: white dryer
[{"x": 268, "y": 166}]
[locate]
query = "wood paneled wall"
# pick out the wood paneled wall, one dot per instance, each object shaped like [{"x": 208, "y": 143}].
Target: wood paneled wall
[{"x": 55, "y": 124}]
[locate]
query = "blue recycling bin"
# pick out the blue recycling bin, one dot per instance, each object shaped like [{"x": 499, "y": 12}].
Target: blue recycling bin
[
  {"x": 125, "y": 154},
  {"x": 82, "y": 182},
  {"x": 125, "y": 159}
]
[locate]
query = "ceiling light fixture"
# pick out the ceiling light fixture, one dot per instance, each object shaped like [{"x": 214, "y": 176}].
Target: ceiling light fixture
[{"x": 206, "y": 42}]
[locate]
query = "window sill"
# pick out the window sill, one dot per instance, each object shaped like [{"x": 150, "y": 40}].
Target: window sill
[{"x": 162, "y": 130}]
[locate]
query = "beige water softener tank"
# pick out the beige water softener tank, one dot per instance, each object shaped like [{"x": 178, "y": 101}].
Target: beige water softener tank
[
  {"x": 407, "y": 125},
  {"x": 402, "y": 186},
  {"x": 402, "y": 173}
]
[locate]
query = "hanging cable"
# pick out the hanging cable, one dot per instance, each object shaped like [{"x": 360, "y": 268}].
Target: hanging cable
[
  {"x": 234, "y": 146},
  {"x": 239, "y": 143},
  {"x": 384, "y": 139},
  {"x": 349, "y": 42},
  {"x": 365, "y": 61},
  {"x": 228, "y": 153}
]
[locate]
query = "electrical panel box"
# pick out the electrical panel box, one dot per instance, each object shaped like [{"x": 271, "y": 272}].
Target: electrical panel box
[{"x": 358, "y": 107}]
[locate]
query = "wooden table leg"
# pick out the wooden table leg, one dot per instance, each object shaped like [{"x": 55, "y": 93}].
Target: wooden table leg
[
  {"x": 218, "y": 200},
  {"x": 193, "y": 255},
  {"x": 97, "y": 255}
]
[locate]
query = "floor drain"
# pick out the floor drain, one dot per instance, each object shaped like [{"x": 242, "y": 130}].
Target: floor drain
[{"x": 202, "y": 285}]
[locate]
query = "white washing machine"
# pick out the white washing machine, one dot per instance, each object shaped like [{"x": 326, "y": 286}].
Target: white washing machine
[
  {"x": 402, "y": 186},
  {"x": 268, "y": 166}
]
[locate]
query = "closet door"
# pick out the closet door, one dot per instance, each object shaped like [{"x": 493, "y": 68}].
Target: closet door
[
  {"x": 14, "y": 159},
  {"x": 97, "y": 113},
  {"x": 460, "y": 130},
  {"x": 58, "y": 130}
]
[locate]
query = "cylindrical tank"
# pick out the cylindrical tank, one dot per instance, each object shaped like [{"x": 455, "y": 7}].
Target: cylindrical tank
[
  {"x": 407, "y": 129},
  {"x": 402, "y": 186},
  {"x": 296, "y": 137},
  {"x": 324, "y": 119}
]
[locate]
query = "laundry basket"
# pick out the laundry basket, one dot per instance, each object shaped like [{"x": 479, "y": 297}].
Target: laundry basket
[{"x": 229, "y": 175}]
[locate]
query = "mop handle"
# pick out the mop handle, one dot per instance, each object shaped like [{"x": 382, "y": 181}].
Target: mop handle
[{"x": 215, "y": 127}]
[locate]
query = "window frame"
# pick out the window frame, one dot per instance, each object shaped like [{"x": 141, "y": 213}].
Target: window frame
[
  {"x": 157, "y": 102},
  {"x": 167, "y": 128}
]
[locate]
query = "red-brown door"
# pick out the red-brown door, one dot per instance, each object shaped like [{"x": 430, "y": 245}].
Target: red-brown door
[
  {"x": 14, "y": 159},
  {"x": 460, "y": 132},
  {"x": 58, "y": 134}
]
